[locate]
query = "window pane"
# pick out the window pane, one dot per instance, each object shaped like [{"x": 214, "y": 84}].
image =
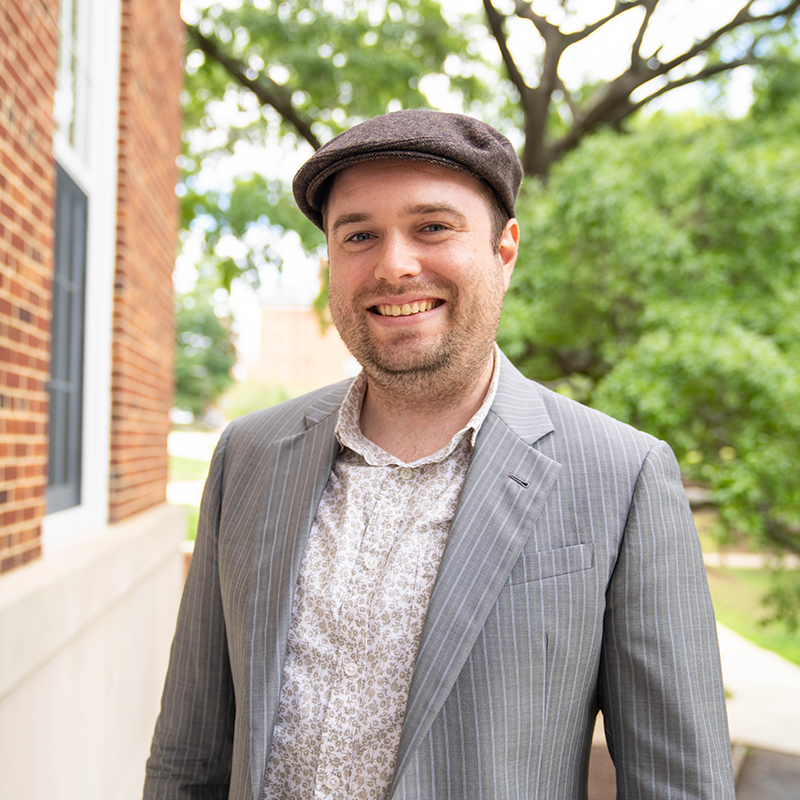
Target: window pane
[{"x": 66, "y": 382}]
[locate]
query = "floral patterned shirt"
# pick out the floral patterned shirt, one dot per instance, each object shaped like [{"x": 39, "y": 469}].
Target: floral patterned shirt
[{"x": 358, "y": 610}]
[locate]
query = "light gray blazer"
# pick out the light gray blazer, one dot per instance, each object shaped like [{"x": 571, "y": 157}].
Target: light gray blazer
[{"x": 572, "y": 580}]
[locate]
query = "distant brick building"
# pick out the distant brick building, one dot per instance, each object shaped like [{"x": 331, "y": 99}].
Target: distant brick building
[
  {"x": 296, "y": 352},
  {"x": 89, "y": 133}
]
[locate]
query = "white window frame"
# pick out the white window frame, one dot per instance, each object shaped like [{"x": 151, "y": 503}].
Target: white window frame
[{"x": 95, "y": 170}]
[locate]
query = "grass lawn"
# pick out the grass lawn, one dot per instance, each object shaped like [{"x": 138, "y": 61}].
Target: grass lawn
[
  {"x": 192, "y": 514},
  {"x": 737, "y": 595},
  {"x": 187, "y": 469}
]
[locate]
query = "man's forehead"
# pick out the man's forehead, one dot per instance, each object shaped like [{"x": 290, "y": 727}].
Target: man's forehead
[{"x": 401, "y": 171}]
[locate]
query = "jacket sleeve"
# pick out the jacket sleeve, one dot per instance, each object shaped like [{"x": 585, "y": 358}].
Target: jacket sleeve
[
  {"x": 660, "y": 685},
  {"x": 192, "y": 745}
]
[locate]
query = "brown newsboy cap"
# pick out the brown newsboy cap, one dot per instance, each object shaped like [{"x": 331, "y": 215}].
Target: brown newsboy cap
[{"x": 450, "y": 140}]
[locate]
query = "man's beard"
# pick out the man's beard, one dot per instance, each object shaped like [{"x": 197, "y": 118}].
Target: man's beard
[{"x": 433, "y": 371}]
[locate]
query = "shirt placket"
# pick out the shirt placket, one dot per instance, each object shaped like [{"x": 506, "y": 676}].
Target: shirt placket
[{"x": 339, "y": 736}]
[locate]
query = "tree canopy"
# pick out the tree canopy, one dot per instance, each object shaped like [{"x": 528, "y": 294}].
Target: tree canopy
[
  {"x": 205, "y": 353},
  {"x": 298, "y": 73},
  {"x": 659, "y": 280}
]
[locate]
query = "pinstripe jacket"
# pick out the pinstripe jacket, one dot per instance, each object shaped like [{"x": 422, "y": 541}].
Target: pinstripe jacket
[{"x": 572, "y": 580}]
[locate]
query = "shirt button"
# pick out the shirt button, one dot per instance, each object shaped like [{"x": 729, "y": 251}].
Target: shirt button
[
  {"x": 350, "y": 668},
  {"x": 332, "y": 782},
  {"x": 370, "y": 561},
  {"x": 406, "y": 473}
]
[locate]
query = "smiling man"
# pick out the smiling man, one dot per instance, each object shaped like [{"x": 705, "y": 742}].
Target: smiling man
[{"x": 426, "y": 582}]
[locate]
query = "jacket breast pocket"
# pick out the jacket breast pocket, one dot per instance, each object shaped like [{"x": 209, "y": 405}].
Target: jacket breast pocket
[{"x": 550, "y": 563}]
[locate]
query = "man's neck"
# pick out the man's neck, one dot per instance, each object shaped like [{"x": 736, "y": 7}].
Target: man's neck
[{"x": 412, "y": 427}]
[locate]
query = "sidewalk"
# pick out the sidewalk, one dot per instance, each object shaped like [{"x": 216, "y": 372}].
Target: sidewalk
[{"x": 763, "y": 695}]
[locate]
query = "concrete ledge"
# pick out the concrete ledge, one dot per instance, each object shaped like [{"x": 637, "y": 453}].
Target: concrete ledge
[{"x": 48, "y": 604}]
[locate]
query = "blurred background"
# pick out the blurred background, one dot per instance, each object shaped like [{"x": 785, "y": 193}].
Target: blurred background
[{"x": 157, "y": 280}]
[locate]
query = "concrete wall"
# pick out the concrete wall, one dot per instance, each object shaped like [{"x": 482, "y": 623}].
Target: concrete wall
[{"x": 85, "y": 639}]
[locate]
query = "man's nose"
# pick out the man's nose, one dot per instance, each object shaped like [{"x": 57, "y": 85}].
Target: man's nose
[{"x": 398, "y": 259}]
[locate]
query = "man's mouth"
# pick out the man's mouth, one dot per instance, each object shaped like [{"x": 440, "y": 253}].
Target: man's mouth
[{"x": 406, "y": 309}]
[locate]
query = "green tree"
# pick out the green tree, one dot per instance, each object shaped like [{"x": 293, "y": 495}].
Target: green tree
[
  {"x": 556, "y": 117},
  {"x": 659, "y": 280},
  {"x": 205, "y": 353}
]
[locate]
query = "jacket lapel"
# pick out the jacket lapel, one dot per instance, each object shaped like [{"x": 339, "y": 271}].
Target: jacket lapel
[
  {"x": 505, "y": 490},
  {"x": 302, "y": 464}
]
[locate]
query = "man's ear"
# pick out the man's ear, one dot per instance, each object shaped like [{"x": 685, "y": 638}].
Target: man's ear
[{"x": 508, "y": 249}]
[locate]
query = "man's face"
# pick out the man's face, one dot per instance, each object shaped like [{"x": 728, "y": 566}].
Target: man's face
[{"x": 416, "y": 288}]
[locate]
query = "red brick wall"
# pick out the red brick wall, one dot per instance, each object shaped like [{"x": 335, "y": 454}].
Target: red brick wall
[
  {"x": 28, "y": 49},
  {"x": 150, "y": 123}
]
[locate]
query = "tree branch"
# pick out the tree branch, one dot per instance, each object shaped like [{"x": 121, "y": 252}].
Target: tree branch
[
  {"x": 575, "y": 109},
  {"x": 615, "y": 106},
  {"x": 619, "y": 8},
  {"x": 496, "y": 20},
  {"x": 266, "y": 90},
  {"x": 636, "y": 50},
  {"x": 546, "y": 29},
  {"x": 524, "y": 10},
  {"x": 743, "y": 17},
  {"x": 706, "y": 72}
]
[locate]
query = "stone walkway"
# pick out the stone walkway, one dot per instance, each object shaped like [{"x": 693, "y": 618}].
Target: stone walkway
[{"x": 764, "y": 695}]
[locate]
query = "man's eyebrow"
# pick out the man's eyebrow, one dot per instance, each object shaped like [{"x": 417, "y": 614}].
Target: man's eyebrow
[
  {"x": 421, "y": 209},
  {"x": 349, "y": 219},
  {"x": 436, "y": 208}
]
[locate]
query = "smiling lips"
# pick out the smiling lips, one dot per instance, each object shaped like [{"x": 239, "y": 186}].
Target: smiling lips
[{"x": 407, "y": 309}]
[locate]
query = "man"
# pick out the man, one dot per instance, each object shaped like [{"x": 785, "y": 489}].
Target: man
[{"x": 426, "y": 582}]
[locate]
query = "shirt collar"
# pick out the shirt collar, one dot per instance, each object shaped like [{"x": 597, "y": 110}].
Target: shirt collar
[{"x": 348, "y": 427}]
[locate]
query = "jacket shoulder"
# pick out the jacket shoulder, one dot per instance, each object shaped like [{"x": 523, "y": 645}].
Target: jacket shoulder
[
  {"x": 280, "y": 421},
  {"x": 562, "y": 424},
  {"x": 575, "y": 417}
]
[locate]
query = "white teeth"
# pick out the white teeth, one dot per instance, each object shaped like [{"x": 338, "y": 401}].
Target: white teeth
[{"x": 406, "y": 309}]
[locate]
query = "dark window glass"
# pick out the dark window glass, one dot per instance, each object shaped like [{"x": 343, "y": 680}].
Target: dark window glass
[{"x": 66, "y": 370}]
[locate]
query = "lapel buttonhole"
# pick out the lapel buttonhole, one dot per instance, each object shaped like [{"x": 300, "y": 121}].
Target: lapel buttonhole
[{"x": 522, "y": 483}]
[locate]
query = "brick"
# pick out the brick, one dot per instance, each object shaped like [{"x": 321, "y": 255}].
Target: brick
[
  {"x": 149, "y": 141},
  {"x": 143, "y": 317}
]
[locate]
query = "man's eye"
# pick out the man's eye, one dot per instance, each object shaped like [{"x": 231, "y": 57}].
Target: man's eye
[
  {"x": 360, "y": 237},
  {"x": 434, "y": 227}
]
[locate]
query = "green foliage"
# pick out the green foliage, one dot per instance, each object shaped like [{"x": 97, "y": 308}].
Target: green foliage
[
  {"x": 783, "y": 599},
  {"x": 659, "y": 280},
  {"x": 192, "y": 520},
  {"x": 205, "y": 353},
  {"x": 187, "y": 469},
  {"x": 246, "y": 396}
]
